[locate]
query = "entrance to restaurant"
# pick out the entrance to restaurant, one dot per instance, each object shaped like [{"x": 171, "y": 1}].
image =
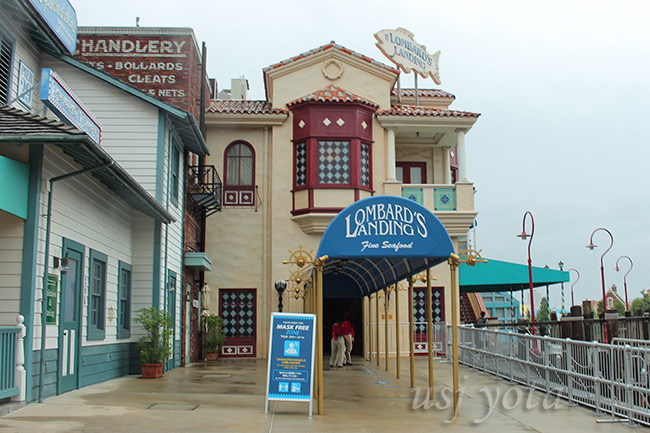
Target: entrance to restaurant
[{"x": 332, "y": 309}]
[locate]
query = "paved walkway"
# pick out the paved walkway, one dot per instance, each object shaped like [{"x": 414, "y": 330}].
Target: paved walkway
[{"x": 229, "y": 396}]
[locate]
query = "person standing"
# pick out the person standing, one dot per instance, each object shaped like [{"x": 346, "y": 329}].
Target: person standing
[
  {"x": 348, "y": 335},
  {"x": 337, "y": 357}
]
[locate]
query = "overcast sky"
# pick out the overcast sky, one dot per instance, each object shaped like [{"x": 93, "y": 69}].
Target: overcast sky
[{"x": 562, "y": 88}]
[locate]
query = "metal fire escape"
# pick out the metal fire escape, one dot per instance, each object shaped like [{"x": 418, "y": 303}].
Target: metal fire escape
[{"x": 205, "y": 189}]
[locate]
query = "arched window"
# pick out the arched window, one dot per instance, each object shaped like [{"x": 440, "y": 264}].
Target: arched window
[{"x": 239, "y": 171}]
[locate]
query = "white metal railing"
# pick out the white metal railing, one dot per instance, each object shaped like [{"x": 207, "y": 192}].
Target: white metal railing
[
  {"x": 612, "y": 378},
  {"x": 420, "y": 333},
  {"x": 13, "y": 378}
]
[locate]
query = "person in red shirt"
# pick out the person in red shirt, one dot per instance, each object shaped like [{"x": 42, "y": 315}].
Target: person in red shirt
[
  {"x": 337, "y": 358},
  {"x": 347, "y": 331}
]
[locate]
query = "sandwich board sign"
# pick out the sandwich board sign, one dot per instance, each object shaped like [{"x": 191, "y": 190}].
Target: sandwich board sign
[{"x": 290, "y": 375}]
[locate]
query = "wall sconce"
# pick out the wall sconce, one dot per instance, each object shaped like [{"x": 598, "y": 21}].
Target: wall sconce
[{"x": 63, "y": 265}]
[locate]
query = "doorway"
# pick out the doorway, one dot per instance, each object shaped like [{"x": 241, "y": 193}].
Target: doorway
[
  {"x": 70, "y": 317},
  {"x": 332, "y": 309}
]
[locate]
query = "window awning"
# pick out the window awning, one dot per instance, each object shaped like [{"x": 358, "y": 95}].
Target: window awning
[
  {"x": 379, "y": 241},
  {"x": 499, "y": 276}
]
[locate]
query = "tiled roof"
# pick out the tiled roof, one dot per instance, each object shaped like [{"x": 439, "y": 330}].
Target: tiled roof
[
  {"x": 19, "y": 122},
  {"x": 424, "y": 93},
  {"x": 327, "y": 47},
  {"x": 333, "y": 93},
  {"x": 408, "y": 110},
  {"x": 230, "y": 106}
]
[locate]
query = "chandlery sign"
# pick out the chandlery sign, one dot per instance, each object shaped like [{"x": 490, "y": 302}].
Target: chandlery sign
[{"x": 379, "y": 241}]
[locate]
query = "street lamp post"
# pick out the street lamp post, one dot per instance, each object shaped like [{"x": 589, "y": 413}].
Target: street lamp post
[
  {"x": 574, "y": 283},
  {"x": 280, "y": 285},
  {"x": 591, "y": 246},
  {"x": 627, "y": 307},
  {"x": 525, "y": 236},
  {"x": 561, "y": 266}
]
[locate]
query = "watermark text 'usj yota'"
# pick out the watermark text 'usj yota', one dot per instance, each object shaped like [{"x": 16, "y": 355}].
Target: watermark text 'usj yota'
[{"x": 492, "y": 398}]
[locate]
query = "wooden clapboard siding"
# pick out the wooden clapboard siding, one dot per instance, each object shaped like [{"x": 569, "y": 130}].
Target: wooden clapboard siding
[
  {"x": 85, "y": 211},
  {"x": 11, "y": 251},
  {"x": 129, "y": 124}
]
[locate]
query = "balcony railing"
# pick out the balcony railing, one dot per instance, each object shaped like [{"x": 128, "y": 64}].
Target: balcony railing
[
  {"x": 441, "y": 197},
  {"x": 205, "y": 188}
]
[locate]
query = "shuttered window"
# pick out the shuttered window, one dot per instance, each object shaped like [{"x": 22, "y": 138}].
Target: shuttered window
[{"x": 6, "y": 51}]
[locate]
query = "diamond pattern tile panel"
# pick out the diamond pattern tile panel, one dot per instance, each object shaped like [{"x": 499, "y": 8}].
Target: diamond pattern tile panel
[{"x": 334, "y": 162}]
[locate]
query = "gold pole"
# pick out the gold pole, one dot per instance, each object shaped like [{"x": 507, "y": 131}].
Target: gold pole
[
  {"x": 369, "y": 328},
  {"x": 411, "y": 342},
  {"x": 386, "y": 325},
  {"x": 453, "y": 264},
  {"x": 377, "y": 324},
  {"x": 397, "y": 350},
  {"x": 318, "y": 268},
  {"x": 430, "y": 332}
]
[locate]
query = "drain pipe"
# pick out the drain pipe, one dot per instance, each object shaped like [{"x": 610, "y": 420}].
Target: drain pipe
[{"x": 46, "y": 267}]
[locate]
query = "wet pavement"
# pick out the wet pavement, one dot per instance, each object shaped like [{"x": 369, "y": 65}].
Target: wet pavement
[{"x": 229, "y": 396}]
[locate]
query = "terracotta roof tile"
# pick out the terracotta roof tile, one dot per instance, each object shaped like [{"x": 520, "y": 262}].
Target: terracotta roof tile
[
  {"x": 333, "y": 93},
  {"x": 424, "y": 93},
  {"x": 326, "y": 47},
  {"x": 18, "y": 122},
  {"x": 408, "y": 110},
  {"x": 231, "y": 106}
]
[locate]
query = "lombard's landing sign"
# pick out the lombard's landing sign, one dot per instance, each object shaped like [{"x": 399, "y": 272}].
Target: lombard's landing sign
[
  {"x": 386, "y": 220},
  {"x": 399, "y": 46},
  {"x": 385, "y": 226}
]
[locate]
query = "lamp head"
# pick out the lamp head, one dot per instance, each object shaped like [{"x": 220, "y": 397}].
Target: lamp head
[
  {"x": 561, "y": 264},
  {"x": 280, "y": 285},
  {"x": 617, "y": 268},
  {"x": 591, "y": 246},
  {"x": 523, "y": 235}
]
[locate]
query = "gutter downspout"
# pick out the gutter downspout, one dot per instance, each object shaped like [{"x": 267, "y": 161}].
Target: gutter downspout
[
  {"x": 203, "y": 217},
  {"x": 46, "y": 267}
]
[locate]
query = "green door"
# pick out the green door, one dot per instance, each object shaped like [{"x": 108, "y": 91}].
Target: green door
[
  {"x": 170, "y": 307},
  {"x": 70, "y": 317}
]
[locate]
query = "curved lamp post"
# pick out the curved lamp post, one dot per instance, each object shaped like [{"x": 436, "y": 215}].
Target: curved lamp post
[
  {"x": 591, "y": 246},
  {"x": 525, "y": 236},
  {"x": 627, "y": 308},
  {"x": 574, "y": 283}
]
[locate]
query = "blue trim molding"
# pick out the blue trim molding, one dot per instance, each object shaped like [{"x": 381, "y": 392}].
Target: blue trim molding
[
  {"x": 160, "y": 158},
  {"x": 29, "y": 259}
]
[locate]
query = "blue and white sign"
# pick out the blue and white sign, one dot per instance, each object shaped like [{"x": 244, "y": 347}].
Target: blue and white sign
[
  {"x": 385, "y": 226},
  {"x": 59, "y": 98},
  {"x": 61, "y": 17},
  {"x": 291, "y": 358},
  {"x": 400, "y": 47}
]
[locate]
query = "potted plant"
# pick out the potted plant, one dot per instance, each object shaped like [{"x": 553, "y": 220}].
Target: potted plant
[
  {"x": 156, "y": 345},
  {"x": 215, "y": 336}
]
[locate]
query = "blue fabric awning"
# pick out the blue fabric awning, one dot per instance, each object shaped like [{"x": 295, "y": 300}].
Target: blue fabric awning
[
  {"x": 498, "y": 276},
  {"x": 379, "y": 241}
]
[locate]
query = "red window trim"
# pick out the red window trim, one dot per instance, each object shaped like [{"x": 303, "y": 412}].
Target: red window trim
[{"x": 238, "y": 195}]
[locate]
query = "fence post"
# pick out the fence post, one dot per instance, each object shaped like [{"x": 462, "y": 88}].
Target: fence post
[
  {"x": 596, "y": 377},
  {"x": 547, "y": 372},
  {"x": 629, "y": 383},
  {"x": 528, "y": 344},
  {"x": 569, "y": 369},
  {"x": 21, "y": 374},
  {"x": 511, "y": 362}
]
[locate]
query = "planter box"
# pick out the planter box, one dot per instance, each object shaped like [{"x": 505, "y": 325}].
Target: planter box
[
  {"x": 212, "y": 356},
  {"x": 152, "y": 371}
]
